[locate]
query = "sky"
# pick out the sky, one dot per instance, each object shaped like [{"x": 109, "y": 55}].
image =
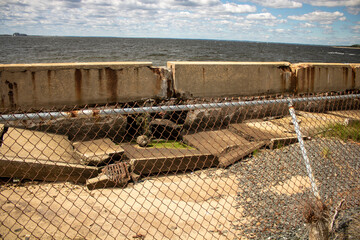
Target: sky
[{"x": 324, "y": 22}]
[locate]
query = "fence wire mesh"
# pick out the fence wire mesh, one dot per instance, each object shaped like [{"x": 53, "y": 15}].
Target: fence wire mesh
[{"x": 199, "y": 169}]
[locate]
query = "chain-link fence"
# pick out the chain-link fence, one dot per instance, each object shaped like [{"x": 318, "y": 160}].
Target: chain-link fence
[{"x": 195, "y": 169}]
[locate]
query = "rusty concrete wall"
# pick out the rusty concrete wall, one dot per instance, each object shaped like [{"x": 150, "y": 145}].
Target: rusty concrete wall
[
  {"x": 39, "y": 86},
  {"x": 225, "y": 79},
  {"x": 221, "y": 79},
  {"x": 326, "y": 77},
  {"x": 56, "y": 85}
]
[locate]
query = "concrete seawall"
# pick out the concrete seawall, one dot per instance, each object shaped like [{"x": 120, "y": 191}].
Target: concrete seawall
[
  {"x": 46, "y": 85},
  {"x": 54, "y": 85}
]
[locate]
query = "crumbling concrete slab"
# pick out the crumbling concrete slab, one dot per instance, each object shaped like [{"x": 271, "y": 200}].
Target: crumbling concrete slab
[
  {"x": 28, "y": 144},
  {"x": 78, "y": 128},
  {"x": 42, "y": 170},
  {"x": 101, "y": 181},
  {"x": 214, "y": 142},
  {"x": 310, "y": 123},
  {"x": 236, "y": 154},
  {"x": 350, "y": 114},
  {"x": 280, "y": 142},
  {"x": 33, "y": 155},
  {"x": 262, "y": 130},
  {"x": 145, "y": 161},
  {"x": 97, "y": 151}
]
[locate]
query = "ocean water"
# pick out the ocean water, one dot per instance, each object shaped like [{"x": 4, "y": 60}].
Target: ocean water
[{"x": 34, "y": 49}]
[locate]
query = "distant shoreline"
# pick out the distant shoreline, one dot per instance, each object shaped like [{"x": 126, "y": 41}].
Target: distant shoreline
[{"x": 346, "y": 47}]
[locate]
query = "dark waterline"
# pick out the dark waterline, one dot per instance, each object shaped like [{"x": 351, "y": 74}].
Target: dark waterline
[{"x": 32, "y": 49}]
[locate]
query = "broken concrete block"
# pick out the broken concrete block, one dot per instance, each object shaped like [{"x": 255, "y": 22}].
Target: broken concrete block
[
  {"x": 146, "y": 161},
  {"x": 236, "y": 154},
  {"x": 43, "y": 170},
  {"x": 97, "y": 152},
  {"x": 214, "y": 142},
  {"x": 281, "y": 142},
  {"x": 26, "y": 144},
  {"x": 101, "y": 181},
  {"x": 311, "y": 123},
  {"x": 165, "y": 129},
  {"x": 352, "y": 115},
  {"x": 262, "y": 130},
  {"x": 79, "y": 129},
  {"x": 201, "y": 119}
]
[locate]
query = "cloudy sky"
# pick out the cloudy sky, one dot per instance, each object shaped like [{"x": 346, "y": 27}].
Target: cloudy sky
[{"x": 292, "y": 21}]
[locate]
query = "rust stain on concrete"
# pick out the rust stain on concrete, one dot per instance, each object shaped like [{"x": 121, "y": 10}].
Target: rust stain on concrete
[
  {"x": 11, "y": 94},
  {"x": 16, "y": 94},
  {"x": 353, "y": 77},
  {"x": 159, "y": 77},
  {"x": 345, "y": 75},
  {"x": 288, "y": 74},
  {"x": 111, "y": 84},
  {"x": 78, "y": 83},
  {"x": 169, "y": 92},
  {"x": 312, "y": 81},
  {"x": 2, "y": 101},
  {"x": 308, "y": 76},
  {"x": 203, "y": 74},
  {"x": 33, "y": 81},
  {"x": 49, "y": 81},
  {"x": 100, "y": 81},
  {"x": 2, "y": 96}
]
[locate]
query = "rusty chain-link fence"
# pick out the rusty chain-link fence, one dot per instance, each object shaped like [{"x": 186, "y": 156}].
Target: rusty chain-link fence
[{"x": 195, "y": 169}]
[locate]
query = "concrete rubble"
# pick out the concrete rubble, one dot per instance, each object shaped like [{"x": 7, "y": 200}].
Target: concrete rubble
[
  {"x": 23, "y": 143},
  {"x": 35, "y": 155},
  {"x": 311, "y": 124},
  {"x": 149, "y": 160},
  {"x": 97, "y": 152},
  {"x": 227, "y": 146},
  {"x": 78, "y": 129}
]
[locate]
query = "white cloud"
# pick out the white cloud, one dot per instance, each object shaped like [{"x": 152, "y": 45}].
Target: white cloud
[
  {"x": 356, "y": 28},
  {"x": 278, "y": 3},
  {"x": 320, "y": 17},
  {"x": 327, "y": 29},
  {"x": 231, "y": 19},
  {"x": 139, "y": 18},
  {"x": 235, "y": 8},
  {"x": 353, "y": 6},
  {"x": 280, "y": 30},
  {"x": 261, "y": 16},
  {"x": 354, "y": 10},
  {"x": 333, "y": 3},
  {"x": 307, "y": 25}
]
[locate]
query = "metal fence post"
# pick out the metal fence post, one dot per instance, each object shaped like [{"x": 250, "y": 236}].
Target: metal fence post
[{"x": 303, "y": 150}]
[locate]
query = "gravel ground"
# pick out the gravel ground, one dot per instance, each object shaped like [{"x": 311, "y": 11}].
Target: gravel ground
[{"x": 275, "y": 215}]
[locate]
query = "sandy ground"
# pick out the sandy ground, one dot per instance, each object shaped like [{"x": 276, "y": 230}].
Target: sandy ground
[{"x": 173, "y": 207}]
